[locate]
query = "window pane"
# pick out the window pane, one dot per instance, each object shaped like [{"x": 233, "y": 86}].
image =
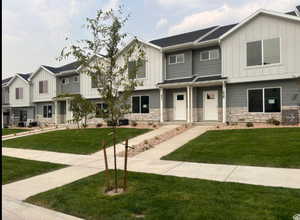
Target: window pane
[
  {"x": 272, "y": 100},
  {"x": 204, "y": 55},
  {"x": 145, "y": 104},
  {"x": 214, "y": 54},
  {"x": 172, "y": 59},
  {"x": 255, "y": 100},
  {"x": 131, "y": 69},
  {"x": 136, "y": 104},
  {"x": 45, "y": 87},
  {"x": 254, "y": 53},
  {"x": 180, "y": 97},
  {"x": 180, "y": 58},
  {"x": 45, "y": 111},
  {"x": 20, "y": 93},
  {"x": 17, "y": 93},
  {"x": 94, "y": 82},
  {"x": 49, "y": 111},
  {"x": 142, "y": 70},
  {"x": 40, "y": 86},
  {"x": 271, "y": 51}
]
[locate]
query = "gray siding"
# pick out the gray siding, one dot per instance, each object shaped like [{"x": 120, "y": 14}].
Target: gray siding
[
  {"x": 204, "y": 68},
  {"x": 179, "y": 70},
  {"x": 71, "y": 88},
  {"x": 237, "y": 93}
]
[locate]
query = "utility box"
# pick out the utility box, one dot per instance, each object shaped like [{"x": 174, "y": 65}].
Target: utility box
[{"x": 290, "y": 117}]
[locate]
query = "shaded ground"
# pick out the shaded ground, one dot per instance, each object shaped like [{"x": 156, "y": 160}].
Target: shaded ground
[
  {"x": 271, "y": 147},
  {"x": 77, "y": 141},
  {"x": 14, "y": 169},
  {"x": 165, "y": 197}
]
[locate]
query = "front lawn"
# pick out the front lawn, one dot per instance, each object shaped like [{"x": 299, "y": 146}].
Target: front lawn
[
  {"x": 270, "y": 147},
  {"x": 77, "y": 141},
  {"x": 14, "y": 169},
  {"x": 166, "y": 197},
  {"x": 7, "y": 131}
]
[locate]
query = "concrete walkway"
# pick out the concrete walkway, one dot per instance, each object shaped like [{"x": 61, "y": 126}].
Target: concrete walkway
[{"x": 148, "y": 162}]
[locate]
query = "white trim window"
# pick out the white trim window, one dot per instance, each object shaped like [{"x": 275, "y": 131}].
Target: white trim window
[
  {"x": 47, "y": 111},
  {"x": 264, "y": 100},
  {"x": 209, "y": 55},
  {"x": 263, "y": 52},
  {"x": 65, "y": 81},
  {"x": 19, "y": 93},
  {"x": 76, "y": 79},
  {"x": 43, "y": 86},
  {"x": 176, "y": 58},
  {"x": 140, "y": 104},
  {"x": 101, "y": 109}
]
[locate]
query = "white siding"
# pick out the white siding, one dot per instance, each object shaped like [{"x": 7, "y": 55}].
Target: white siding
[
  {"x": 25, "y": 101},
  {"x": 260, "y": 28},
  {"x": 153, "y": 74},
  {"x": 39, "y": 76}
]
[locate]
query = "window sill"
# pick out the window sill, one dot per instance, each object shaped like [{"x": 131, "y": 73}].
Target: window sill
[{"x": 263, "y": 66}]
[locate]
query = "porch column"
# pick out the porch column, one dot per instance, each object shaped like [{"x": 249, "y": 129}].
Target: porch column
[
  {"x": 188, "y": 104},
  {"x": 56, "y": 112},
  {"x": 224, "y": 100},
  {"x": 161, "y": 91},
  {"x": 67, "y": 110},
  {"x": 192, "y": 105}
]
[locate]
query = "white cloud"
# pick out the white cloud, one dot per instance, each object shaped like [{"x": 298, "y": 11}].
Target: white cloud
[
  {"x": 111, "y": 4},
  {"x": 179, "y": 3},
  {"x": 228, "y": 14},
  {"x": 161, "y": 23}
]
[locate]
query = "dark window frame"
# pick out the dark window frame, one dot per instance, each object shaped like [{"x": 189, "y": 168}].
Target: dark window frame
[
  {"x": 47, "y": 114},
  {"x": 141, "y": 109},
  {"x": 263, "y": 101}
]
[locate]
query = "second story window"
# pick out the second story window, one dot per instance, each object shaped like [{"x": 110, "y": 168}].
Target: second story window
[
  {"x": 19, "y": 93},
  {"x": 43, "y": 86},
  {"x": 76, "y": 79},
  {"x": 209, "y": 55},
  {"x": 177, "y": 58},
  {"x": 65, "y": 81},
  {"x": 263, "y": 52},
  {"x": 140, "y": 72}
]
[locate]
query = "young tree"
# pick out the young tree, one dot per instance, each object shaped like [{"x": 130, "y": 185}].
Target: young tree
[
  {"x": 81, "y": 109},
  {"x": 101, "y": 58}
]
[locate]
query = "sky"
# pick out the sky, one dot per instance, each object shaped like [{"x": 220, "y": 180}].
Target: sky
[{"x": 34, "y": 31}]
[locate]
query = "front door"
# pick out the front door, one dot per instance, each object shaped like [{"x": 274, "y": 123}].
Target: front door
[
  {"x": 63, "y": 112},
  {"x": 210, "y": 100},
  {"x": 180, "y": 106}
]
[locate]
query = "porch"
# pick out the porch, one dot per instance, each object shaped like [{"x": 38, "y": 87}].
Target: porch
[{"x": 194, "y": 100}]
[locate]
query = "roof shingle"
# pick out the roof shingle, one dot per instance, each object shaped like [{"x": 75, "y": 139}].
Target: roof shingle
[
  {"x": 218, "y": 32},
  {"x": 181, "y": 38},
  {"x": 67, "y": 67}
]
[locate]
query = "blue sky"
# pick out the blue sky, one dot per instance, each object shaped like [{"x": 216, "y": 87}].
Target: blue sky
[{"x": 34, "y": 31}]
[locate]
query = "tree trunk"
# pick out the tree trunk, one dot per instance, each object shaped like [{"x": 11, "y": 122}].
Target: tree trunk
[{"x": 115, "y": 157}]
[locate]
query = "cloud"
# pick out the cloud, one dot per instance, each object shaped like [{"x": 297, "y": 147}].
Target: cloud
[
  {"x": 176, "y": 3},
  {"x": 161, "y": 23},
  {"x": 227, "y": 14},
  {"x": 111, "y": 4}
]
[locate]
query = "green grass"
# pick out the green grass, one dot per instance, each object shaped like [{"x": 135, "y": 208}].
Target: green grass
[
  {"x": 271, "y": 147},
  {"x": 167, "y": 197},
  {"x": 78, "y": 141},
  {"x": 7, "y": 131},
  {"x": 14, "y": 169}
]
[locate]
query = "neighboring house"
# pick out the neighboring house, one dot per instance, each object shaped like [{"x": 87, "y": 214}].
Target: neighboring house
[{"x": 244, "y": 72}]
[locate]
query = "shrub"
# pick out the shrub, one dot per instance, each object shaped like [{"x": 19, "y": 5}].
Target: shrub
[
  {"x": 273, "y": 121},
  {"x": 227, "y": 123},
  {"x": 249, "y": 124},
  {"x": 133, "y": 123},
  {"x": 154, "y": 126},
  {"x": 99, "y": 125},
  {"x": 150, "y": 123}
]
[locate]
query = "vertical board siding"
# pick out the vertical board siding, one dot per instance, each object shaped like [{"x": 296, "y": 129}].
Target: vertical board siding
[
  {"x": 19, "y": 83},
  {"x": 40, "y": 76},
  {"x": 260, "y": 28},
  {"x": 153, "y": 74}
]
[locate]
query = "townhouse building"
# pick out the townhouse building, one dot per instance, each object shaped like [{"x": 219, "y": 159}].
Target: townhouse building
[{"x": 244, "y": 72}]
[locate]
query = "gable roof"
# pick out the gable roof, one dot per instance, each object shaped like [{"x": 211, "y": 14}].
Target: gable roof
[
  {"x": 291, "y": 13},
  {"x": 67, "y": 67},
  {"x": 182, "y": 38},
  {"x": 298, "y": 8},
  {"x": 258, "y": 12},
  {"x": 6, "y": 80},
  {"x": 25, "y": 76},
  {"x": 218, "y": 32}
]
